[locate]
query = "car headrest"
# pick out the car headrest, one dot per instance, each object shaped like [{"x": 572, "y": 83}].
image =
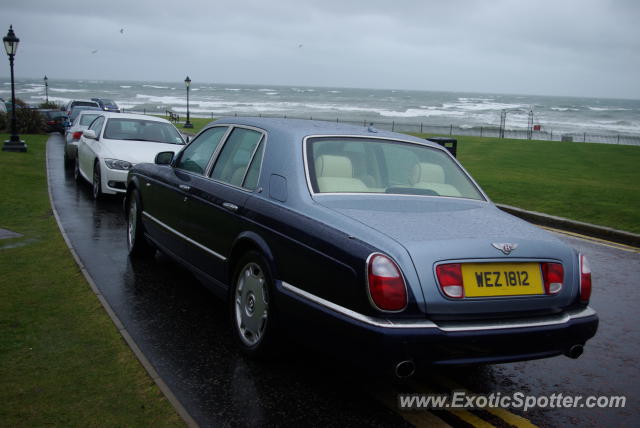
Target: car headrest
[
  {"x": 426, "y": 172},
  {"x": 334, "y": 166}
]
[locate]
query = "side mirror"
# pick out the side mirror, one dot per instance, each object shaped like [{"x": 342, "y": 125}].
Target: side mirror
[
  {"x": 89, "y": 133},
  {"x": 164, "y": 158}
]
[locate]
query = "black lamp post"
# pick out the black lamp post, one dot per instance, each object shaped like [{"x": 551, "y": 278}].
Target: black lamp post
[
  {"x": 46, "y": 89},
  {"x": 187, "y": 83},
  {"x": 13, "y": 144}
]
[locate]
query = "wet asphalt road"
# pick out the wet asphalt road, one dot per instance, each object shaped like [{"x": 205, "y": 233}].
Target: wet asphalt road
[{"x": 184, "y": 332}]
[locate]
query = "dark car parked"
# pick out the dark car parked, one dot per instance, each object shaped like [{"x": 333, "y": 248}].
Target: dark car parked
[
  {"x": 107, "y": 105},
  {"x": 54, "y": 120},
  {"x": 75, "y": 103},
  {"x": 375, "y": 245}
]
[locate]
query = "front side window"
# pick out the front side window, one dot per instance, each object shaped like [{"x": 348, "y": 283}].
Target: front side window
[
  {"x": 196, "y": 155},
  {"x": 96, "y": 125},
  {"x": 361, "y": 165},
  {"x": 86, "y": 119},
  {"x": 236, "y": 155},
  {"x": 142, "y": 130}
]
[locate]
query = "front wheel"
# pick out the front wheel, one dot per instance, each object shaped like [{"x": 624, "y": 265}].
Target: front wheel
[
  {"x": 252, "y": 307},
  {"x": 136, "y": 242},
  {"x": 76, "y": 169},
  {"x": 96, "y": 188}
]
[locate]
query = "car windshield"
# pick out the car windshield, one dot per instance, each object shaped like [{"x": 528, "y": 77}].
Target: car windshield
[
  {"x": 142, "y": 130},
  {"x": 76, "y": 111},
  {"x": 86, "y": 119},
  {"x": 362, "y": 165},
  {"x": 107, "y": 102}
]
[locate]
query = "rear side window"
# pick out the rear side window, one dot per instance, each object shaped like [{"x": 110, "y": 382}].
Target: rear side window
[
  {"x": 196, "y": 155},
  {"x": 236, "y": 156}
]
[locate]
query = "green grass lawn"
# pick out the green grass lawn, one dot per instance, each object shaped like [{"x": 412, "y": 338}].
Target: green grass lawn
[
  {"x": 595, "y": 183},
  {"x": 62, "y": 361}
]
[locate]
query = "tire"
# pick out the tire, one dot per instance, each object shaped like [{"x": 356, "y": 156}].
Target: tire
[
  {"x": 252, "y": 308},
  {"x": 96, "y": 183},
  {"x": 137, "y": 244},
  {"x": 76, "y": 169}
]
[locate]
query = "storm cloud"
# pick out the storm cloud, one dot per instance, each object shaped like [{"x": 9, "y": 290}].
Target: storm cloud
[{"x": 578, "y": 48}]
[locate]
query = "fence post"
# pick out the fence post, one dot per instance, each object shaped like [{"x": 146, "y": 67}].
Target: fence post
[
  {"x": 551, "y": 135},
  {"x": 584, "y": 137},
  {"x": 450, "y": 129},
  {"x": 393, "y": 125},
  {"x": 337, "y": 119},
  {"x": 481, "y": 131},
  {"x": 421, "y": 127},
  {"x": 618, "y": 138}
]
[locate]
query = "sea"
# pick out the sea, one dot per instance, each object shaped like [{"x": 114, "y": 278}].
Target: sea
[{"x": 424, "y": 108}]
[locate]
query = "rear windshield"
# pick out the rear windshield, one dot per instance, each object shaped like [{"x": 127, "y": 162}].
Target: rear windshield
[
  {"x": 362, "y": 165},
  {"x": 107, "y": 102},
  {"x": 84, "y": 103},
  {"x": 86, "y": 119},
  {"x": 142, "y": 130}
]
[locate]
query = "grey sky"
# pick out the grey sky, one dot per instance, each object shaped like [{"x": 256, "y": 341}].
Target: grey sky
[{"x": 578, "y": 47}]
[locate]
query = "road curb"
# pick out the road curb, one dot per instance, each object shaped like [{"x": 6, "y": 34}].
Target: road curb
[
  {"x": 177, "y": 405},
  {"x": 562, "y": 223}
]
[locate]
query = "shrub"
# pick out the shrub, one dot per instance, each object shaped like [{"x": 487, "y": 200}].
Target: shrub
[{"x": 51, "y": 105}]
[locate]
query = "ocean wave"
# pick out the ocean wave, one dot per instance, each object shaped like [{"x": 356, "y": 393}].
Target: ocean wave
[
  {"x": 155, "y": 86},
  {"x": 564, "y": 109},
  {"x": 65, "y": 90},
  {"x": 232, "y": 89},
  {"x": 483, "y": 106},
  {"x": 609, "y": 109},
  {"x": 125, "y": 86}
]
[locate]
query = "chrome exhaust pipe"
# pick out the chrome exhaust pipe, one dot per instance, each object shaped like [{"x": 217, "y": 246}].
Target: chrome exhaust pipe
[
  {"x": 575, "y": 351},
  {"x": 405, "y": 369}
]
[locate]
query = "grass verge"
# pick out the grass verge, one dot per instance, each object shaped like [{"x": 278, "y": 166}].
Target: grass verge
[
  {"x": 595, "y": 183},
  {"x": 62, "y": 361}
]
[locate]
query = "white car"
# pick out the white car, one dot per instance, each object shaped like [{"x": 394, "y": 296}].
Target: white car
[
  {"x": 115, "y": 142},
  {"x": 74, "y": 132}
]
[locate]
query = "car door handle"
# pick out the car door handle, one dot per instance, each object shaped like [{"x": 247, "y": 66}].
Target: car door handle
[
  {"x": 184, "y": 187},
  {"x": 229, "y": 206}
]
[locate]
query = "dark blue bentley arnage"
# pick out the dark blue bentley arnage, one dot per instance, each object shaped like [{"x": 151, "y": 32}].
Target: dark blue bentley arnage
[{"x": 365, "y": 242}]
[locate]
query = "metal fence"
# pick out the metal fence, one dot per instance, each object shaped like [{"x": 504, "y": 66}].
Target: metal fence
[{"x": 462, "y": 130}]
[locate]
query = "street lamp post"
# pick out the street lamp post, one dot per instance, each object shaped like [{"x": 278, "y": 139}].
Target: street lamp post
[
  {"x": 187, "y": 83},
  {"x": 46, "y": 89},
  {"x": 13, "y": 144}
]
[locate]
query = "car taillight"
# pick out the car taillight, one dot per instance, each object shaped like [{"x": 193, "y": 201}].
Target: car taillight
[
  {"x": 386, "y": 285},
  {"x": 585, "y": 279},
  {"x": 76, "y": 135},
  {"x": 552, "y": 275},
  {"x": 450, "y": 279},
  {"x": 51, "y": 122}
]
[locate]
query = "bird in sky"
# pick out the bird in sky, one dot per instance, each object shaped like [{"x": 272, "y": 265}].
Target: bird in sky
[
  {"x": 94, "y": 51},
  {"x": 300, "y": 45},
  {"x": 122, "y": 31}
]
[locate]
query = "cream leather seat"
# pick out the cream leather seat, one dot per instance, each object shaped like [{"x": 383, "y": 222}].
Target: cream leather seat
[
  {"x": 335, "y": 174},
  {"x": 431, "y": 176}
]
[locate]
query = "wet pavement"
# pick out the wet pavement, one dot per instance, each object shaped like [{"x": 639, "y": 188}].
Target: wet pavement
[{"x": 184, "y": 332}]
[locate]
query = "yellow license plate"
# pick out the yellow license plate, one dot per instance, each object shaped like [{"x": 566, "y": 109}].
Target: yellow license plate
[{"x": 501, "y": 279}]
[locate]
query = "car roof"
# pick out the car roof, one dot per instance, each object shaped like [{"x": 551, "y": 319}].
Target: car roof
[
  {"x": 297, "y": 129},
  {"x": 109, "y": 115}
]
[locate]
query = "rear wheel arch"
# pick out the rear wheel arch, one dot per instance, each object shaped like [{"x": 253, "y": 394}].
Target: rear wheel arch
[{"x": 250, "y": 241}]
